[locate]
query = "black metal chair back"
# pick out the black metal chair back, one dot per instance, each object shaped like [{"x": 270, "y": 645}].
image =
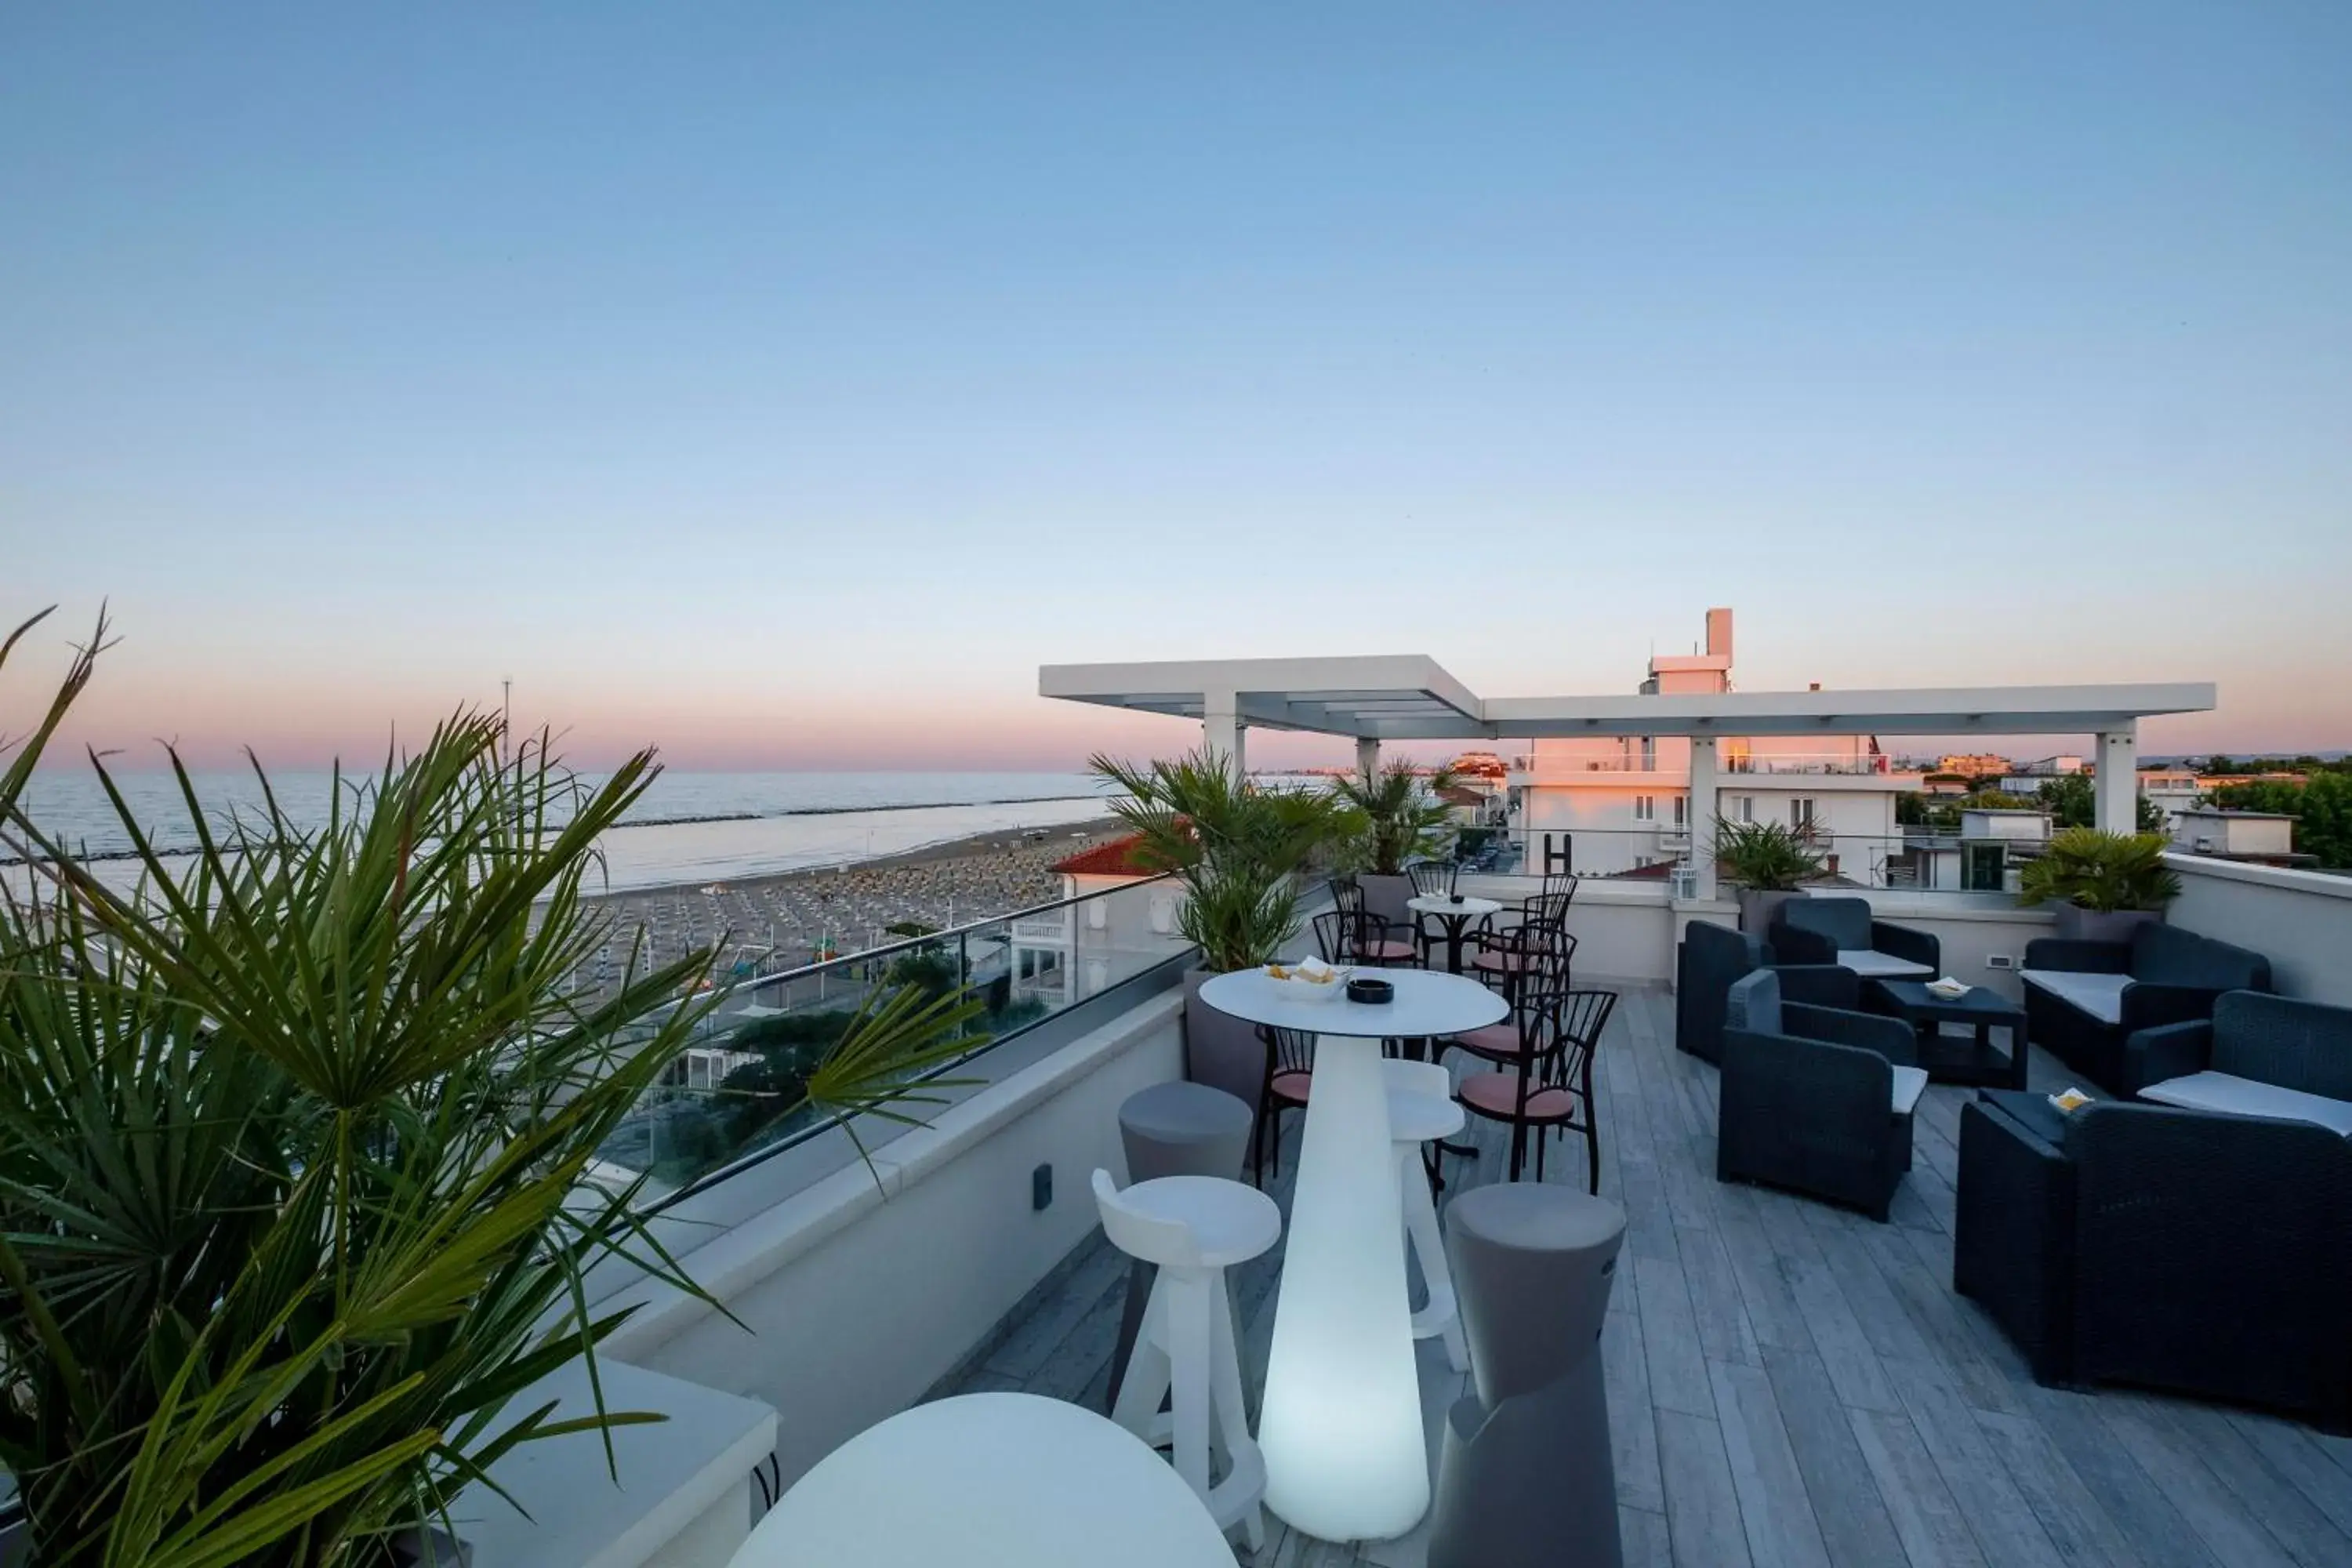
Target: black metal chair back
[
  {"x": 1563, "y": 1038},
  {"x": 1434, "y": 878},
  {"x": 1333, "y": 936},
  {"x": 1288, "y": 1052}
]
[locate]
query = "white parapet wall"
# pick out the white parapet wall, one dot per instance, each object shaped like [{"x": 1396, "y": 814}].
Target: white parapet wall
[
  {"x": 2300, "y": 921},
  {"x": 857, "y": 1294}
]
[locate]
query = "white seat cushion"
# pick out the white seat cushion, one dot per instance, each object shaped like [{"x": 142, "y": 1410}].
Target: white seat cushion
[
  {"x": 1910, "y": 1083},
  {"x": 1869, "y": 964},
  {"x": 2250, "y": 1096},
  {"x": 2100, "y": 996}
]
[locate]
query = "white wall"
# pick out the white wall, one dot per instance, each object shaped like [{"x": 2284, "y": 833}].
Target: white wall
[
  {"x": 2301, "y": 920},
  {"x": 855, "y": 1300}
]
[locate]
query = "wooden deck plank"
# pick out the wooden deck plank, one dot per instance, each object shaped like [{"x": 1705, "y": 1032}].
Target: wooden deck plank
[
  {"x": 1702, "y": 1503},
  {"x": 1794, "y": 1383}
]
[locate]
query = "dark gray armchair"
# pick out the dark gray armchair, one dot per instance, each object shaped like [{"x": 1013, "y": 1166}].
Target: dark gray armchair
[
  {"x": 2301, "y": 1045},
  {"x": 1816, "y": 931},
  {"x": 1814, "y": 1098},
  {"x": 1712, "y": 958}
]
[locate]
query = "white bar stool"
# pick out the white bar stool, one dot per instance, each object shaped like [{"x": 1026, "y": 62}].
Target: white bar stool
[
  {"x": 1192, "y": 1228},
  {"x": 1422, "y": 1108}
]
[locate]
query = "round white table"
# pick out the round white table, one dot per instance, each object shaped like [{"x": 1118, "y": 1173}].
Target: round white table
[
  {"x": 1455, "y": 914},
  {"x": 1009, "y": 1479},
  {"x": 1339, "y": 1424}
]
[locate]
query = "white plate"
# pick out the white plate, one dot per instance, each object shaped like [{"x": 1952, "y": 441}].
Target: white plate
[{"x": 1309, "y": 990}]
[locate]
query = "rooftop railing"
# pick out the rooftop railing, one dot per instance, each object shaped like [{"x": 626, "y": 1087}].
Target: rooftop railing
[
  {"x": 1728, "y": 762},
  {"x": 733, "y": 1096}
]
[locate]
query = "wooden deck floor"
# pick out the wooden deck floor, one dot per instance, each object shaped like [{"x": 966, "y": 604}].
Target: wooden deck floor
[{"x": 1790, "y": 1384}]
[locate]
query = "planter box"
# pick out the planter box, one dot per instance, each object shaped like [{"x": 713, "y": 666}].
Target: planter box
[
  {"x": 1220, "y": 1050},
  {"x": 1759, "y": 905},
  {"x": 2077, "y": 923}
]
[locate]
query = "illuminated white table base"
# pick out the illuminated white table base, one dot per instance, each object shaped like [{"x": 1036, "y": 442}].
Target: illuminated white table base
[{"x": 1339, "y": 1424}]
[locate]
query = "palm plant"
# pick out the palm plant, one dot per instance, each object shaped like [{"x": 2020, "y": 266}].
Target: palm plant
[
  {"x": 1236, "y": 845},
  {"x": 1763, "y": 857},
  {"x": 1391, "y": 816},
  {"x": 295, "y": 1154},
  {"x": 2102, "y": 871}
]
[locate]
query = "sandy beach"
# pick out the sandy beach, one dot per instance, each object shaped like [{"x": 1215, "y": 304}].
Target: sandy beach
[{"x": 777, "y": 922}]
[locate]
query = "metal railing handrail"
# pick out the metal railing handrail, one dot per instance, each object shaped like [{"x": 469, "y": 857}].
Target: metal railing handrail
[{"x": 947, "y": 933}]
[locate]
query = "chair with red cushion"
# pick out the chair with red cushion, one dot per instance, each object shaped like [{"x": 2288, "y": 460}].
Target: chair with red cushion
[
  {"x": 1365, "y": 937},
  {"x": 1549, "y": 1089},
  {"x": 1289, "y": 1076},
  {"x": 1532, "y": 956}
]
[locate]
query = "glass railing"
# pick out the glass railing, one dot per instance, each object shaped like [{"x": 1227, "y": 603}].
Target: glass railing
[
  {"x": 1922, "y": 860},
  {"x": 1677, "y": 764},
  {"x": 734, "y": 1094}
]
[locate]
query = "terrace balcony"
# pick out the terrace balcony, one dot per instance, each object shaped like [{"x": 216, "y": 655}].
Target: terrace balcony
[{"x": 1788, "y": 1381}]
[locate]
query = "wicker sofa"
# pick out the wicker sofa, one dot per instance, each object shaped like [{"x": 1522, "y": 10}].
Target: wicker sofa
[
  {"x": 1841, "y": 931},
  {"x": 2297, "y": 1045},
  {"x": 2084, "y": 999},
  {"x": 1815, "y": 1098},
  {"x": 1711, "y": 958},
  {"x": 2176, "y": 1250}
]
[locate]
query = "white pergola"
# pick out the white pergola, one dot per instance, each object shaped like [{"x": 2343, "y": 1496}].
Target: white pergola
[{"x": 1410, "y": 697}]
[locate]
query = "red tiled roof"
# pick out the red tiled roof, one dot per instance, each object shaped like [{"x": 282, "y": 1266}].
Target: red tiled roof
[{"x": 1114, "y": 858}]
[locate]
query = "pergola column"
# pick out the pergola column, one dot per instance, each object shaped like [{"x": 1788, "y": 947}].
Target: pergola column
[
  {"x": 1368, "y": 754},
  {"x": 1701, "y": 811},
  {"x": 1221, "y": 727},
  {"x": 2116, "y": 792}
]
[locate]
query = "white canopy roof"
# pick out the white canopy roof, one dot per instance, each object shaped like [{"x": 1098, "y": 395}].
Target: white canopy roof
[{"x": 1410, "y": 697}]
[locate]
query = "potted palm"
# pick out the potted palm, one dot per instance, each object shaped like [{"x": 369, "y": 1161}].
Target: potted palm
[
  {"x": 299, "y": 1152},
  {"x": 1768, "y": 860},
  {"x": 1237, "y": 846},
  {"x": 2103, "y": 883},
  {"x": 1385, "y": 820}
]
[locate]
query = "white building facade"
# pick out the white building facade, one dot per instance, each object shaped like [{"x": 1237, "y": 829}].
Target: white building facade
[{"x": 1621, "y": 805}]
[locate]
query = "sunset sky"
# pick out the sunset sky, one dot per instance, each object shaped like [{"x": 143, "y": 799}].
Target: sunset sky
[{"x": 784, "y": 385}]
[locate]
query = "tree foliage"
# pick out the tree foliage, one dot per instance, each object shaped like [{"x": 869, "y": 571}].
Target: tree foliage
[
  {"x": 1388, "y": 819},
  {"x": 298, "y": 1150},
  {"x": 1236, "y": 844}
]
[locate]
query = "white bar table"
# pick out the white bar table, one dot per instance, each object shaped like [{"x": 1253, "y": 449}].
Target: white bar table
[{"x": 1346, "y": 1457}]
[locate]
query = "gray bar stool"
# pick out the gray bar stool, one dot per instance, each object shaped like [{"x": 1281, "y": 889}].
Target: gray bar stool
[
  {"x": 1525, "y": 1478},
  {"x": 1172, "y": 1129}
]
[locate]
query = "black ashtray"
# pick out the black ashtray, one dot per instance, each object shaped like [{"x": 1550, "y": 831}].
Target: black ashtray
[
  {"x": 1452, "y": 898},
  {"x": 1372, "y": 991}
]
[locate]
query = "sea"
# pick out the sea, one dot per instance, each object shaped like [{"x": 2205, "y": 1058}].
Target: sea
[{"x": 688, "y": 828}]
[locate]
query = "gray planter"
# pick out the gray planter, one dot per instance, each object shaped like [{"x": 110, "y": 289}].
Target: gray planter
[
  {"x": 1385, "y": 896},
  {"x": 2077, "y": 923},
  {"x": 1759, "y": 905},
  {"x": 1220, "y": 1050}
]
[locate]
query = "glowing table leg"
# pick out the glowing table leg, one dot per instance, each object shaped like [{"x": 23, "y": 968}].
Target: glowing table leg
[{"x": 1340, "y": 1425}]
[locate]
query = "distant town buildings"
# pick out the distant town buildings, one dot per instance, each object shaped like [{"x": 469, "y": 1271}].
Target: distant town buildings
[
  {"x": 1975, "y": 764},
  {"x": 1619, "y": 805},
  {"x": 2261, "y": 836}
]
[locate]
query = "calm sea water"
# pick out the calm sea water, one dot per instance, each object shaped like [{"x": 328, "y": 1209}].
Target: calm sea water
[{"x": 688, "y": 827}]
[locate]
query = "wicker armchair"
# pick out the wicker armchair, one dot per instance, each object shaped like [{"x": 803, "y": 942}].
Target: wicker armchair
[
  {"x": 1817, "y": 931},
  {"x": 1711, "y": 958},
  {"x": 2305, "y": 1046},
  {"x": 2177, "y": 1249},
  {"x": 1814, "y": 1098}
]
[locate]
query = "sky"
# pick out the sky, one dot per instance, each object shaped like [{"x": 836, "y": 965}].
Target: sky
[{"x": 783, "y": 385}]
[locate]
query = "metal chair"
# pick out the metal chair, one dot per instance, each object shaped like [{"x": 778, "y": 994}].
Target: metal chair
[
  {"x": 1550, "y": 1090},
  {"x": 1289, "y": 1077},
  {"x": 1367, "y": 938},
  {"x": 1539, "y": 951},
  {"x": 1434, "y": 879}
]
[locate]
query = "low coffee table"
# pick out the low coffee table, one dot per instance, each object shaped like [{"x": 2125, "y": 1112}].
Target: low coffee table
[{"x": 1971, "y": 1060}]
